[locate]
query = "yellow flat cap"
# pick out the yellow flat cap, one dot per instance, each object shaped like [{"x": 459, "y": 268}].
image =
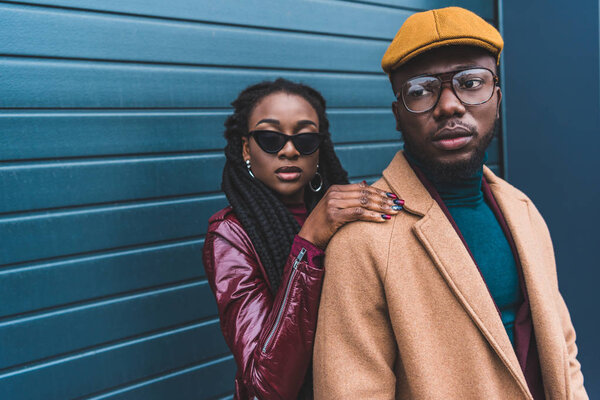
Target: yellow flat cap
[{"x": 427, "y": 30}]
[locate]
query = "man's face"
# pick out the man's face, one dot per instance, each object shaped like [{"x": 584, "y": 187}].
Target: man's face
[{"x": 451, "y": 138}]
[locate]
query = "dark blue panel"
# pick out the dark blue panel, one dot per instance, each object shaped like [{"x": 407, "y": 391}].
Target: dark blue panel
[
  {"x": 330, "y": 17},
  {"x": 51, "y": 134},
  {"x": 87, "y": 84},
  {"x": 44, "y": 335},
  {"x": 366, "y": 159},
  {"x": 44, "y": 32},
  {"x": 369, "y": 125},
  {"x": 76, "y": 231},
  {"x": 553, "y": 124},
  {"x": 484, "y": 8},
  {"x": 107, "y": 367},
  {"x": 50, "y": 284},
  {"x": 107, "y": 180},
  {"x": 495, "y": 169},
  {"x": 209, "y": 380}
]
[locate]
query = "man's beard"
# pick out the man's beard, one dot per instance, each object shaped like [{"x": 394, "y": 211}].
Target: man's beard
[{"x": 455, "y": 171}]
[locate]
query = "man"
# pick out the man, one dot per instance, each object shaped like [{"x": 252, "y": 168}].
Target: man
[{"x": 456, "y": 297}]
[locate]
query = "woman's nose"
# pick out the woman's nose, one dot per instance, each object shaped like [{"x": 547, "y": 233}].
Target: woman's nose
[{"x": 289, "y": 150}]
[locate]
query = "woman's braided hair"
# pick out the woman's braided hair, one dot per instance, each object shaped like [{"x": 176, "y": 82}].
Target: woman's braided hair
[{"x": 266, "y": 220}]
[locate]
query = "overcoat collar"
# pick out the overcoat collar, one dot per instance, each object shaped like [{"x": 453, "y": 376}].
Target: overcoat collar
[
  {"x": 534, "y": 259},
  {"x": 456, "y": 266}
]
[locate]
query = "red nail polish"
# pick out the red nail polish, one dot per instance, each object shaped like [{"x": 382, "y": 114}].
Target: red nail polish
[
  {"x": 399, "y": 202},
  {"x": 391, "y": 195},
  {"x": 385, "y": 216}
]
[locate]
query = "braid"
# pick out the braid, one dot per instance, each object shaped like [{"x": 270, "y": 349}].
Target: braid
[{"x": 266, "y": 220}]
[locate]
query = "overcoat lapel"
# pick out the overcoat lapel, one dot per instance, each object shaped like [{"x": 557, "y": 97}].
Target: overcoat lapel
[
  {"x": 453, "y": 262},
  {"x": 546, "y": 323}
]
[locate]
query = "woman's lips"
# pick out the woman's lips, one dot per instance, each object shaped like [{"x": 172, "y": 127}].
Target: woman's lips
[{"x": 288, "y": 174}]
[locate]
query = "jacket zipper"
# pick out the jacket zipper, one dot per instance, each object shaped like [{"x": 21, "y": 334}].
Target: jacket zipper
[{"x": 285, "y": 296}]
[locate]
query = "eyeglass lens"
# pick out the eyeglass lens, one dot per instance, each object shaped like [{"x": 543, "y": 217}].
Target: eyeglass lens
[
  {"x": 273, "y": 142},
  {"x": 471, "y": 86}
]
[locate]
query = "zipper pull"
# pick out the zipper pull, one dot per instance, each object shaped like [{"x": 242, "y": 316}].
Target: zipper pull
[{"x": 299, "y": 258}]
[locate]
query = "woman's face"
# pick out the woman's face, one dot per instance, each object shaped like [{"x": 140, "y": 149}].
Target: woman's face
[{"x": 287, "y": 172}]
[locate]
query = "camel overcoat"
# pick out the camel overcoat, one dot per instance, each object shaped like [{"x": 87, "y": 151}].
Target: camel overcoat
[{"x": 405, "y": 313}]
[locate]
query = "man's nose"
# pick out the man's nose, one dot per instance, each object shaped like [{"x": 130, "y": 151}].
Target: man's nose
[
  {"x": 289, "y": 151},
  {"x": 448, "y": 105}
]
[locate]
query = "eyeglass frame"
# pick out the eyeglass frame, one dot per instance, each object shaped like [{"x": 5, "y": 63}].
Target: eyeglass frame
[{"x": 439, "y": 76}]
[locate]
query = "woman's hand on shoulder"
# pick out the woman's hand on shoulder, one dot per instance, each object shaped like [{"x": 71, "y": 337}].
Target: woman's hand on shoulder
[{"x": 345, "y": 203}]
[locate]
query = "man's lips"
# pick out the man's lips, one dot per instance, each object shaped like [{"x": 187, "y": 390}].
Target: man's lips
[
  {"x": 452, "y": 139},
  {"x": 288, "y": 174}
]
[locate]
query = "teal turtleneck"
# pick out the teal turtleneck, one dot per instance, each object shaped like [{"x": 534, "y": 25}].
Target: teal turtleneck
[{"x": 485, "y": 238}]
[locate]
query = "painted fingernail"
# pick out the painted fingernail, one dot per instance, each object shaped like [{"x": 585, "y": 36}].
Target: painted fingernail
[
  {"x": 400, "y": 202},
  {"x": 365, "y": 182},
  {"x": 396, "y": 208},
  {"x": 391, "y": 195},
  {"x": 386, "y": 216}
]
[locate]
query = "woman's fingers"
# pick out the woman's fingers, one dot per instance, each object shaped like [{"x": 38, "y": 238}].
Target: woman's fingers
[
  {"x": 356, "y": 187},
  {"x": 362, "y": 214},
  {"x": 346, "y": 192},
  {"x": 349, "y": 187},
  {"x": 369, "y": 203},
  {"x": 360, "y": 201},
  {"x": 366, "y": 195}
]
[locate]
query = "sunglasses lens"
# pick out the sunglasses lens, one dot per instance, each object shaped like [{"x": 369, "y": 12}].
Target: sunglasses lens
[
  {"x": 306, "y": 143},
  {"x": 271, "y": 142}
]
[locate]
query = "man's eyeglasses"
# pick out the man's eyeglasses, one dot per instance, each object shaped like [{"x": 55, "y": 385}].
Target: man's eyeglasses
[
  {"x": 472, "y": 87},
  {"x": 272, "y": 141}
]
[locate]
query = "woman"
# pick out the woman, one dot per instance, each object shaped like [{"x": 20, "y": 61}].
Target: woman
[{"x": 263, "y": 255}]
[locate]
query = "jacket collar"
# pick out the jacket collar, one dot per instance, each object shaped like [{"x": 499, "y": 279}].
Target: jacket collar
[
  {"x": 535, "y": 258},
  {"x": 404, "y": 182},
  {"x": 453, "y": 261}
]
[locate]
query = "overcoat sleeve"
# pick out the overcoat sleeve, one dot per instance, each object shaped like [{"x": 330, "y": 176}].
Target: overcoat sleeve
[
  {"x": 355, "y": 349},
  {"x": 271, "y": 337},
  {"x": 578, "y": 391}
]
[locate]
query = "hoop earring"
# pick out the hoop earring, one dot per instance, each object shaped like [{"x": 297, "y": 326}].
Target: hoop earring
[
  {"x": 318, "y": 188},
  {"x": 249, "y": 170}
]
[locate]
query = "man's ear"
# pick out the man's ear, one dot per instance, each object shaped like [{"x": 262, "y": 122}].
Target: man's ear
[
  {"x": 396, "y": 112},
  {"x": 246, "y": 148},
  {"x": 499, "y": 91}
]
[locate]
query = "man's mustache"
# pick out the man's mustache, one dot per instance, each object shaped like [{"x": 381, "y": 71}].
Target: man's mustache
[{"x": 453, "y": 124}]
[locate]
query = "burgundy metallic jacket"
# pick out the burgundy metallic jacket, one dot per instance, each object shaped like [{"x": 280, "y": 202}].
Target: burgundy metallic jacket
[{"x": 270, "y": 336}]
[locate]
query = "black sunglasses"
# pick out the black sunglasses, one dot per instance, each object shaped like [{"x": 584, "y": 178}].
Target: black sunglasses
[{"x": 272, "y": 141}]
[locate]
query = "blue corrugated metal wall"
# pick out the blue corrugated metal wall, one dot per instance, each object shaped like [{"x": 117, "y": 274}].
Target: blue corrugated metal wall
[{"x": 111, "y": 120}]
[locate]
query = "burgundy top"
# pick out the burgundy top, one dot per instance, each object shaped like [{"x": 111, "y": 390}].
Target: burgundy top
[
  {"x": 270, "y": 335},
  {"x": 314, "y": 255}
]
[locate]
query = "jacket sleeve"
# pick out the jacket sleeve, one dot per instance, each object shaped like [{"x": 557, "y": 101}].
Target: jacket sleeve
[
  {"x": 271, "y": 337},
  {"x": 355, "y": 349}
]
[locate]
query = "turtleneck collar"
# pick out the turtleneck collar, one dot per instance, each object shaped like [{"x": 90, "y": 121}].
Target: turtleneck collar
[{"x": 463, "y": 192}]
